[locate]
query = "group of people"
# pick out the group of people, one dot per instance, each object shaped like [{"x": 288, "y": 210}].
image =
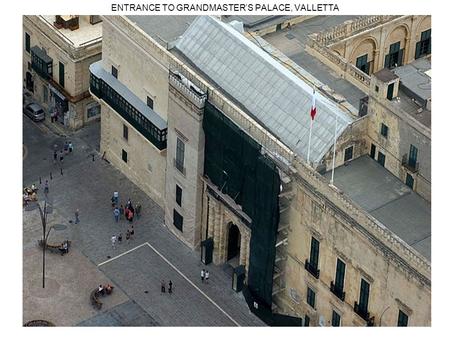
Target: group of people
[
  {"x": 204, "y": 275},
  {"x": 129, "y": 211},
  {"x": 107, "y": 289},
  {"x": 67, "y": 148},
  {"x": 163, "y": 286},
  {"x": 118, "y": 238}
]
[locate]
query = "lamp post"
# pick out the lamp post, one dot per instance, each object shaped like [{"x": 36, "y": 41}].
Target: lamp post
[{"x": 43, "y": 212}]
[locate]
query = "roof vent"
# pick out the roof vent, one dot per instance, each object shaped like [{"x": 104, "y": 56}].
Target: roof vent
[{"x": 67, "y": 21}]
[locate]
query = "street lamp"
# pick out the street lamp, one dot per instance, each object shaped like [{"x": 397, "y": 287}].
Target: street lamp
[{"x": 48, "y": 209}]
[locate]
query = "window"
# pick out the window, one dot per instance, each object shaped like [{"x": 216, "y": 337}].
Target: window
[
  {"x": 93, "y": 110},
  {"x": 402, "y": 318},
  {"x": 409, "y": 181},
  {"x": 395, "y": 56},
  {"x": 124, "y": 156},
  {"x": 412, "y": 160},
  {"x": 45, "y": 93},
  {"x": 377, "y": 89},
  {"x": 311, "y": 297},
  {"x": 381, "y": 158},
  {"x": 384, "y": 130},
  {"x": 390, "y": 92},
  {"x": 61, "y": 74},
  {"x": 125, "y": 132},
  {"x": 364, "y": 297},
  {"x": 178, "y": 194},
  {"x": 340, "y": 275},
  {"x": 179, "y": 160},
  {"x": 335, "y": 319},
  {"x": 362, "y": 64},
  {"x": 373, "y": 150},
  {"x": 348, "y": 155},
  {"x": 177, "y": 220},
  {"x": 27, "y": 42},
  {"x": 423, "y": 47},
  {"x": 314, "y": 254},
  {"x": 306, "y": 320},
  {"x": 149, "y": 102},
  {"x": 114, "y": 71}
]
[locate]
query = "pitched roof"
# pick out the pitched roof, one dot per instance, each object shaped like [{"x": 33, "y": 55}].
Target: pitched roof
[{"x": 273, "y": 95}]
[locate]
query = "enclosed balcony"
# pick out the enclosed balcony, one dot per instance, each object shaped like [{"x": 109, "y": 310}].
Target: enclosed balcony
[
  {"x": 144, "y": 119},
  {"x": 41, "y": 63}
]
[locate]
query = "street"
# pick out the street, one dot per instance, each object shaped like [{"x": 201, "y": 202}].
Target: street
[{"x": 135, "y": 268}]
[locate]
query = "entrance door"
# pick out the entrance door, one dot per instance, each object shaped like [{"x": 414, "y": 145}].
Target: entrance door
[
  {"x": 234, "y": 241},
  {"x": 373, "y": 150},
  {"x": 29, "y": 82},
  {"x": 390, "y": 91}
]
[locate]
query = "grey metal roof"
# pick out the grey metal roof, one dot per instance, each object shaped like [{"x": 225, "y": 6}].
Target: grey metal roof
[
  {"x": 97, "y": 69},
  {"x": 413, "y": 77},
  {"x": 387, "y": 199},
  {"x": 272, "y": 94}
]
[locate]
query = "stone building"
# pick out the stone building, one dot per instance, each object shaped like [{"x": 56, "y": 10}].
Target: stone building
[
  {"x": 216, "y": 131},
  {"x": 57, "y": 53},
  {"x": 358, "y": 48}
]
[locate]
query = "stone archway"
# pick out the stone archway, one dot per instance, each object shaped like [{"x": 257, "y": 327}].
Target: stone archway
[{"x": 233, "y": 244}]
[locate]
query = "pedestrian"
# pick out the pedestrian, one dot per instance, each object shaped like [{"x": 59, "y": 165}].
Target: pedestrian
[
  {"x": 113, "y": 241},
  {"x": 55, "y": 156},
  {"x": 129, "y": 203},
  {"x": 113, "y": 203},
  {"x": 121, "y": 211},
  {"x": 119, "y": 238},
  {"x": 138, "y": 210},
  {"x": 116, "y": 214},
  {"x": 70, "y": 146},
  {"x": 46, "y": 187},
  {"x": 66, "y": 147},
  {"x": 202, "y": 275},
  {"x": 206, "y": 276},
  {"x": 170, "y": 286},
  {"x": 131, "y": 231},
  {"x": 116, "y": 197},
  {"x": 130, "y": 216},
  {"x": 61, "y": 157},
  {"x": 163, "y": 286},
  {"x": 77, "y": 214},
  {"x": 127, "y": 236}
]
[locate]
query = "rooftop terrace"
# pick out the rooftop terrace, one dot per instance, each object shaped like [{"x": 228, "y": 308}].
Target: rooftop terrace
[
  {"x": 387, "y": 199},
  {"x": 85, "y": 34}
]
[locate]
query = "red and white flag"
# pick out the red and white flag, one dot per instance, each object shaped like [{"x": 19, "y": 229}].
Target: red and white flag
[{"x": 313, "y": 106}]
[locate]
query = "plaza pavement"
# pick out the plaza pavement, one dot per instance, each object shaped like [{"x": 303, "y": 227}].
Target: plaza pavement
[{"x": 154, "y": 253}]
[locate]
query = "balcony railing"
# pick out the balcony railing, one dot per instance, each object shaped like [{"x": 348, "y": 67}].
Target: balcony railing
[
  {"x": 408, "y": 163},
  {"x": 338, "y": 292},
  {"x": 127, "y": 105},
  {"x": 41, "y": 63},
  {"x": 364, "y": 314},
  {"x": 312, "y": 269}
]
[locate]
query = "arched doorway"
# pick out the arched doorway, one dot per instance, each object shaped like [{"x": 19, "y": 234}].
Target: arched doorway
[{"x": 234, "y": 244}]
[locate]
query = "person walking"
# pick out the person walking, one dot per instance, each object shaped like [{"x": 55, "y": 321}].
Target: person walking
[
  {"x": 163, "y": 286},
  {"x": 131, "y": 232},
  {"x": 170, "y": 286},
  {"x": 202, "y": 275},
  {"x": 119, "y": 238},
  {"x": 113, "y": 241},
  {"x": 138, "y": 210},
  {"x": 61, "y": 157},
  {"x": 116, "y": 197},
  {"x": 121, "y": 210},
  {"x": 127, "y": 236},
  {"x": 46, "y": 187},
  {"x": 130, "y": 216},
  {"x": 116, "y": 214},
  {"x": 206, "y": 276},
  {"x": 77, "y": 214},
  {"x": 55, "y": 156},
  {"x": 66, "y": 148},
  {"x": 70, "y": 147}
]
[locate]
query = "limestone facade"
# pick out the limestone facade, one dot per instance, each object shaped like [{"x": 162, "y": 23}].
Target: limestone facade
[
  {"x": 399, "y": 277},
  {"x": 75, "y": 58}
]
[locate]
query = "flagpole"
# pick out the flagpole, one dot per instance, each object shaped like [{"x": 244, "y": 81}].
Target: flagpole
[
  {"x": 334, "y": 151},
  {"x": 309, "y": 141}
]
